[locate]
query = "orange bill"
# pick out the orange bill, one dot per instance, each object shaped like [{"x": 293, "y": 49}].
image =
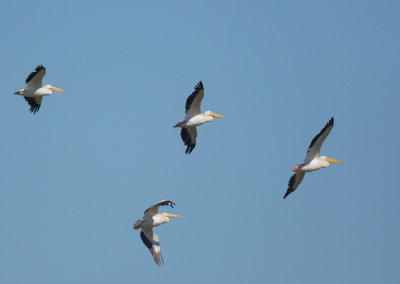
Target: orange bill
[
  {"x": 57, "y": 90},
  {"x": 172, "y": 215},
  {"x": 217, "y": 115},
  {"x": 333, "y": 160}
]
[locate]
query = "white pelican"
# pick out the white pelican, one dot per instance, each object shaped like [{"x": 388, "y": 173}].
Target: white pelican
[
  {"x": 152, "y": 218},
  {"x": 34, "y": 92},
  {"x": 194, "y": 118},
  {"x": 313, "y": 160}
]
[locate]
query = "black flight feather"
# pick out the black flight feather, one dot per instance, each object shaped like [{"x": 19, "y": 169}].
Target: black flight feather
[
  {"x": 145, "y": 240},
  {"x": 33, "y": 74},
  {"x": 330, "y": 123},
  {"x": 162, "y": 203},
  {"x": 190, "y": 99},
  {"x": 187, "y": 140},
  {"x": 34, "y": 105},
  {"x": 290, "y": 186}
]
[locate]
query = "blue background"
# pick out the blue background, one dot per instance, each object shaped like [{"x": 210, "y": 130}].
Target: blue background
[{"x": 79, "y": 173}]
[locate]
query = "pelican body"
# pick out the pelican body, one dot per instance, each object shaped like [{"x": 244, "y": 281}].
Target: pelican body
[
  {"x": 194, "y": 117},
  {"x": 152, "y": 218},
  {"x": 313, "y": 165},
  {"x": 34, "y": 91},
  {"x": 198, "y": 119},
  {"x": 313, "y": 160}
]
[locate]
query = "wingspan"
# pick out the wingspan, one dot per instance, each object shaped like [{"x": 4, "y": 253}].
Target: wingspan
[
  {"x": 35, "y": 78},
  {"x": 154, "y": 209},
  {"x": 316, "y": 143},
  {"x": 150, "y": 240},
  {"x": 189, "y": 135},
  {"x": 193, "y": 102},
  {"x": 34, "y": 102},
  {"x": 294, "y": 182}
]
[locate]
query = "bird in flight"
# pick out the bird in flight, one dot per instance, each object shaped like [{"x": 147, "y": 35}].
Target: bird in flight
[
  {"x": 313, "y": 160},
  {"x": 194, "y": 117},
  {"x": 152, "y": 218},
  {"x": 34, "y": 91}
]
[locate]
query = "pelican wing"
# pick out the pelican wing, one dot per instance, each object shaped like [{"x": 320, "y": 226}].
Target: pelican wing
[
  {"x": 150, "y": 240},
  {"x": 35, "y": 78},
  {"x": 189, "y": 135},
  {"x": 193, "y": 102},
  {"x": 316, "y": 143},
  {"x": 34, "y": 102},
  {"x": 294, "y": 182},
  {"x": 153, "y": 210}
]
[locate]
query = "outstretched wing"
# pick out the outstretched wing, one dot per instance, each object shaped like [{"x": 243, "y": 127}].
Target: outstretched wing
[
  {"x": 316, "y": 143},
  {"x": 150, "y": 240},
  {"x": 35, "y": 78},
  {"x": 34, "y": 102},
  {"x": 153, "y": 210},
  {"x": 189, "y": 135},
  {"x": 294, "y": 182},
  {"x": 193, "y": 102}
]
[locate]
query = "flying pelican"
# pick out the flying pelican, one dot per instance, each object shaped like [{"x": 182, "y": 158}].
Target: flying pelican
[
  {"x": 313, "y": 160},
  {"x": 34, "y": 92},
  {"x": 152, "y": 218},
  {"x": 194, "y": 118}
]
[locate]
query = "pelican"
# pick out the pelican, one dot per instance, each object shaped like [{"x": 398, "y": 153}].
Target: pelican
[
  {"x": 152, "y": 218},
  {"x": 194, "y": 118},
  {"x": 34, "y": 91},
  {"x": 313, "y": 160}
]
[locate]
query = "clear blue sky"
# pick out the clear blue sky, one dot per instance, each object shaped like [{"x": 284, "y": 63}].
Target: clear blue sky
[{"x": 79, "y": 173}]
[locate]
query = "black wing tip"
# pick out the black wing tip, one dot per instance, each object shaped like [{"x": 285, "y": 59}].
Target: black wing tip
[
  {"x": 169, "y": 202},
  {"x": 199, "y": 86},
  {"x": 290, "y": 186},
  {"x": 39, "y": 67},
  {"x": 187, "y": 140},
  {"x": 189, "y": 148},
  {"x": 34, "y": 109},
  {"x": 289, "y": 191},
  {"x": 34, "y": 106},
  {"x": 330, "y": 123},
  {"x": 193, "y": 95},
  {"x": 163, "y": 203}
]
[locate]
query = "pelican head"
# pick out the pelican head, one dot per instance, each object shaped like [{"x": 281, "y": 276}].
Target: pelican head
[
  {"x": 210, "y": 113},
  {"x": 52, "y": 88}
]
